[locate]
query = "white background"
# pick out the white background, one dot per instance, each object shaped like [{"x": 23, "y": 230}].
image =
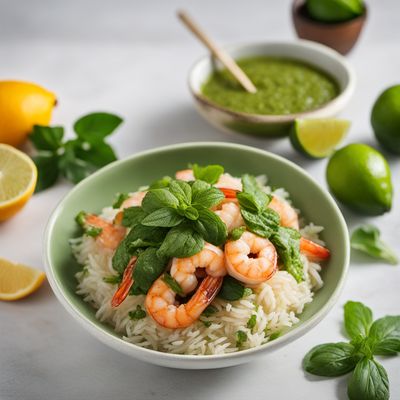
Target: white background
[{"x": 132, "y": 58}]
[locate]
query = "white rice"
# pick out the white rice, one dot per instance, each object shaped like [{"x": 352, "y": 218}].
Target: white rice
[{"x": 275, "y": 303}]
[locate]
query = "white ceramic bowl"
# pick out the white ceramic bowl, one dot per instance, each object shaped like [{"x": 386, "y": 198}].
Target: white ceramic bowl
[{"x": 315, "y": 54}]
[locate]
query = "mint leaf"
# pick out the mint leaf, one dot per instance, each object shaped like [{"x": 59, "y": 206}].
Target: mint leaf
[
  {"x": 181, "y": 241},
  {"x": 191, "y": 213},
  {"x": 149, "y": 266},
  {"x": 161, "y": 183},
  {"x": 139, "y": 313},
  {"x": 159, "y": 198},
  {"x": 211, "y": 227},
  {"x": 120, "y": 198},
  {"x": 99, "y": 125},
  {"x": 132, "y": 216},
  {"x": 173, "y": 284},
  {"x": 209, "y": 174},
  {"x": 237, "y": 233},
  {"x": 368, "y": 382},
  {"x": 231, "y": 289},
  {"x": 181, "y": 190},
  {"x": 252, "y": 198},
  {"x": 96, "y": 152},
  {"x": 264, "y": 224},
  {"x": 366, "y": 238},
  {"x": 205, "y": 195},
  {"x": 357, "y": 319},
  {"x": 287, "y": 244},
  {"x": 47, "y": 137},
  {"x": 384, "y": 336},
  {"x": 330, "y": 359},
  {"x": 48, "y": 170},
  {"x": 163, "y": 217}
]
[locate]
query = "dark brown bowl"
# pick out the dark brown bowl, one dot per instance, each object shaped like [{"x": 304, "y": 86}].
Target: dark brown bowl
[{"x": 341, "y": 36}]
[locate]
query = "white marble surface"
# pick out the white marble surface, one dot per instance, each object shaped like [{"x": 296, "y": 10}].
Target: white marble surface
[{"x": 132, "y": 57}]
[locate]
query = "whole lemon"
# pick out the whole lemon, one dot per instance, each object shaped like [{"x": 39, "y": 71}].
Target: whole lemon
[
  {"x": 385, "y": 119},
  {"x": 22, "y": 105},
  {"x": 359, "y": 176}
]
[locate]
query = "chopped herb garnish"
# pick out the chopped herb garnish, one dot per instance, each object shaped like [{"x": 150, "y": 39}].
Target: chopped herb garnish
[
  {"x": 172, "y": 283},
  {"x": 206, "y": 323},
  {"x": 251, "y": 323},
  {"x": 137, "y": 314},
  {"x": 241, "y": 337},
  {"x": 120, "y": 198},
  {"x": 247, "y": 292},
  {"x": 275, "y": 335},
  {"x": 112, "y": 279},
  {"x": 93, "y": 231},
  {"x": 210, "y": 310},
  {"x": 237, "y": 233},
  {"x": 81, "y": 218}
]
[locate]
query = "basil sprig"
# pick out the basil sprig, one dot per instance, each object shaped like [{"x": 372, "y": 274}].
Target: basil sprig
[
  {"x": 366, "y": 238},
  {"x": 265, "y": 222},
  {"x": 77, "y": 158},
  {"x": 369, "y": 380}
]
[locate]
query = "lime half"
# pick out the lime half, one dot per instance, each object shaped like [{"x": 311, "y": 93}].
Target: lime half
[{"x": 318, "y": 138}]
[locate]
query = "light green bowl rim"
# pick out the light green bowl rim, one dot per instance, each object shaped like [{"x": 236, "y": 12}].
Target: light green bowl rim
[{"x": 119, "y": 343}]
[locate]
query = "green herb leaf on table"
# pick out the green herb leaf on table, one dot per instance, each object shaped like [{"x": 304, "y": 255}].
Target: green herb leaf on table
[
  {"x": 209, "y": 173},
  {"x": 48, "y": 171},
  {"x": 96, "y": 152},
  {"x": 99, "y": 124},
  {"x": 231, "y": 289},
  {"x": 366, "y": 238},
  {"x": 163, "y": 217},
  {"x": 47, "y": 137},
  {"x": 173, "y": 284},
  {"x": 357, "y": 319},
  {"x": 120, "y": 198},
  {"x": 331, "y": 359},
  {"x": 137, "y": 314},
  {"x": 211, "y": 227},
  {"x": 384, "y": 336},
  {"x": 369, "y": 381},
  {"x": 181, "y": 241}
]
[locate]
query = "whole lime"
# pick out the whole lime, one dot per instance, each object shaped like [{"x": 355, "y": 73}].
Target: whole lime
[
  {"x": 385, "y": 119},
  {"x": 359, "y": 176},
  {"x": 334, "y": 10}
]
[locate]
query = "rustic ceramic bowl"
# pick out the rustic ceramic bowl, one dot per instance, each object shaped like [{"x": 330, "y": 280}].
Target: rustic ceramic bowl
[
  {"x": 312, "y": 53},
  {"x": 98, "y": 191},
  {"x": 341, "y": 36}
]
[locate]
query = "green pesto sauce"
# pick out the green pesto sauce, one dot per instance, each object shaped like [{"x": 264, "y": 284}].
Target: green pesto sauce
[{"x": 284, "y": 86}]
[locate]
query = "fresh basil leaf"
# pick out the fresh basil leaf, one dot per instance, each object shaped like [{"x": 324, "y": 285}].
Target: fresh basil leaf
[
  {"x": 173, "y": 284},
  {"x": 161, "y": 183},
  {"x": 149, "y": 266},
  {"x": 237, "y": 233},
  {"x": 231, "y": 289},
  {"x": 113, "y": 279},
  {"x": 205, "y": 195},
  {"x": 191, "y": 213},
  {"x": 209, "y": 174},
  {"x": 241, "y": 337},
  {"x": 384, "y": 336},
  {"x": 48, "y": 170},
  {"x": 181, "y": 241},
  {"x": 211, "y": 227},
  {"x": 132, "y": 216},
  {"x": 120, "y": 198},
  {"x": 150, "y": 234},
  {"x": 366, "y": 238},
  {"x": 330, "y": 359},
  {"x": 139, "y": 313},
  {"x": 99, "y": 125},
  {"x": 369, "y": 381},
  {"x": 287, "y": 244},
  {"x": 264, "y": 224},
  {"x": 210, "y": 310},
  {"x": 252, "y": 197},
  {"x": 181, "y": 190},
  {"x": 251, "y": 323},
  {"x": 357, "y": 319},
  {"x": 47, "y": 137},
  {"x": 163, "y": 217},
  {"x": 96, "y": 152},
  {"x": 159, "y": 198}
]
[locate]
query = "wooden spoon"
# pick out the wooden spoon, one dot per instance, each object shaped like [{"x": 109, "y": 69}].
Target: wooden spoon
[{"x": 219, "y": 53}]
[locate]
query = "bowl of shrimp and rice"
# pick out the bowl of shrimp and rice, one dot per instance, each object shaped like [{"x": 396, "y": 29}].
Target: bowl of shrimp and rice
[{"x": 274, "y": 309}]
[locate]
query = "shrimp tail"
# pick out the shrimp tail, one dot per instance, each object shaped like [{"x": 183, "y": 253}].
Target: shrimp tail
[
  {"x": 127, "y": 281},
  {"x": 229, "y": 193},
  {"x": 313, "y": 250}
]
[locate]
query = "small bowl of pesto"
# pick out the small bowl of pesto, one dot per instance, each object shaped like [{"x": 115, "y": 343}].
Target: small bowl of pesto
[{"x": 294, "y": 80}]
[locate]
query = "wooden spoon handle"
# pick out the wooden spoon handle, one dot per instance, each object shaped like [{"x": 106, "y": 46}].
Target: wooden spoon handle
[{"x": 219, "y": 53}]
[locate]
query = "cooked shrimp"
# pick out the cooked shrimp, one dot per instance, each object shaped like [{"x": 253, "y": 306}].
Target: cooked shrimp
[
  {"x": 185, "y": 175},
  {"x": 314, "y": 251},
  {"x": 160, "y": 303},
  {"x": 287, "y": 213},
  {"x": 183, "y": 270},
  {"x": 230, "y": 215},
  {"x": 110, "y": 235},
  {"x": 126, "y": 284},
  {"x": 134, "y": 200},
  {"x": 251, "y": 259}
]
